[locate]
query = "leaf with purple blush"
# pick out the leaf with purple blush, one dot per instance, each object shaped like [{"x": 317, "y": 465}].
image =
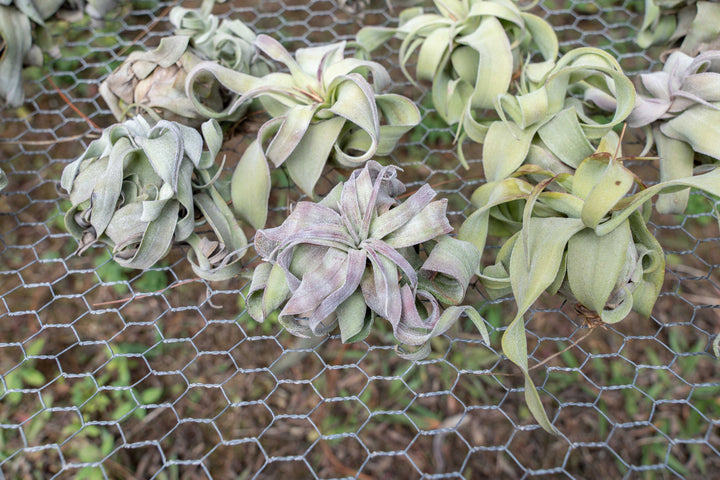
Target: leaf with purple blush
[{"x": 338, "y": 270}]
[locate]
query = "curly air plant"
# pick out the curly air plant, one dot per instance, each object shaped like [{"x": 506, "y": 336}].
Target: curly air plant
[
  {"x": 574, "y": 234},
  {"x": 695, "y": 25},
  {"x": 230, "y": 42},
  {"x": 16, "y": 34},
  {"x": 139, "y": 189},
  {"x": 470, "y": 51},
  {"x": 155, "y": 80},
  {"x": 558, "y": 120},
  {"x": 357, "y": 254},
  {"x": 680, "y": 110},
  {"x": 325, "y": 107}
]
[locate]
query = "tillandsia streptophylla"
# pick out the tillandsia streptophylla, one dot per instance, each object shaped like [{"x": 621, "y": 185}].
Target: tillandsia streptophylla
[
  {"x": 325, "y": 107},
  {"x": 578, "y": 235},
  {"x": 680, "y": 110},
  {"x": 140, "y": 188},
  {"x": 155, "y": 80},
  {"x": 695, "y": 25},
  {"x": 17, "y": 42},
  {"x": 558, "y": 120},
  {"x": 357, "y": 254},
  {"x": 470, "y": 50},
  {"x": 230, "y": 42}
]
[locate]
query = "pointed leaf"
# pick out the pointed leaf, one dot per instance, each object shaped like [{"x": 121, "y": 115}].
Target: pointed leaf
[{"x": 250, "y": 188}]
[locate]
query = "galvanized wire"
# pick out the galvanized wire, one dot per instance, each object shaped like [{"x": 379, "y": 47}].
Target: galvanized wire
[{"x": 111, "y": 373}]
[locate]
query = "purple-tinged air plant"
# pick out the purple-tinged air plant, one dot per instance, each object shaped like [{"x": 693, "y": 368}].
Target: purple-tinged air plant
[{"x": 357, "y": 254}]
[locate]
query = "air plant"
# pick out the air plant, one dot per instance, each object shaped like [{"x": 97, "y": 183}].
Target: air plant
[
  {"x": 470, "y": 50},
  {"x": 695, "y": 25},
  {"x": 325, "y": 107},
  {"x": 559, "y": 119},
  {"x": 230, "y": 42},
  {"x": 155, "y": 80},
  {"x": 140, "y": 189},
  {"x": 16, "y": 39},
  {"x": 358, "y": 254},
  {"x": 680, "y": 110},
  {"x": 578, "y": 235},
  {"x": 16, "y": 33}
]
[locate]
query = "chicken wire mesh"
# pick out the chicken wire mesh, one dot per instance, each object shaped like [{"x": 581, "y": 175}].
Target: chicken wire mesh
[{"x": 116, "y": 373}]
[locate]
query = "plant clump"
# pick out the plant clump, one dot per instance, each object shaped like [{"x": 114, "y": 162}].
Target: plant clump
[
  {"x": 140, "y": 189},
  {"x": 359, "y": 253}
]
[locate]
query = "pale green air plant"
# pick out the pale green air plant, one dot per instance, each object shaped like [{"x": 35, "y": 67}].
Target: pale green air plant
[
  {"x": 559, "y": 119},
  {"x": 323, "y": 108},
  {"x": 140, "y": 189},
  {"x": 680, "y": 110},
  {"x": 357, "y": 254},
  {"x": 16, "y": 33},
  {"x": 16, "y": 39},
  {"x": 695, "y": 25},
  {"x": 574, "y": 234},
  {"x": 230, "y": 42},
  {"x": 470, "y": 51}
]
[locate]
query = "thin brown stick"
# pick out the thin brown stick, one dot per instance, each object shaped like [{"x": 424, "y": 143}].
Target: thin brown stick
[
  {"x": 71, "y": 105},
  {"x": 144, "y": 295}
]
